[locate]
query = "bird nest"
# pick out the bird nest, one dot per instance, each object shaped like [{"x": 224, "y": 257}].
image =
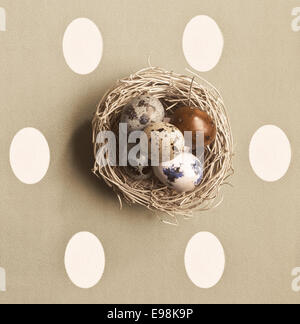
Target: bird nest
[{"x": 174, "y": 91}]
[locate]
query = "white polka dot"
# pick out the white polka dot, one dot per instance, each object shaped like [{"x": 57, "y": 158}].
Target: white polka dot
[
  {"x": 270, "y": 153},
  {"x": 2, "y": 279},
  {"x": 83, "y": 46},
  {"x": 29, "y": 155},
  {"x": 2, "y": 19},
  {"x": 204, "y": 260},
  {"x": 85, "y": 260},
  {"x": 203, "y": 43}
]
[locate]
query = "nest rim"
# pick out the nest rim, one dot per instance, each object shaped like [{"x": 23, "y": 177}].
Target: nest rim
[{"x": 174, "y": 90}]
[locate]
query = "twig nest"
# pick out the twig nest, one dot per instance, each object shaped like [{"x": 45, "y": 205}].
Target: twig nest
[{"x": 172, "y": 92}]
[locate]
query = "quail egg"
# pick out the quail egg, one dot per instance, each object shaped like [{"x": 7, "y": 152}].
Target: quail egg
[
  {"x": 141, "y": 112},
  {"x": 138, "y": 164},
  {"x": 183, "y": 174},
  {"x": 195, "y": 120},
  {"x": 165, "y": 141}
]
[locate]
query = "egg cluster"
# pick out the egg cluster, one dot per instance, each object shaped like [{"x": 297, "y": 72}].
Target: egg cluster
[{"x": 169, "y": 154}]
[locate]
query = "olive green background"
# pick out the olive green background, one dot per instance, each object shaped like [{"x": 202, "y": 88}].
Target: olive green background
[{"x": 258, "y": 224}]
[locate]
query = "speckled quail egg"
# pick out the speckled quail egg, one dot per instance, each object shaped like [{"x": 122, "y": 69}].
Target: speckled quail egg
[
  {"x": 166, "y": 140},
  {"x": 183, "y": 174},
  {"x": 138, "y": 164},
  {"x": 141, "y": 112}
]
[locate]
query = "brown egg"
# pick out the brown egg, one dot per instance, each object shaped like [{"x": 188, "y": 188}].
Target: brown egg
[{"x": 195, "y": 120}]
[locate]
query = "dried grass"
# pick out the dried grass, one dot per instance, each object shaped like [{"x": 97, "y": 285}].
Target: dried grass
[{"x": 174, "y": 90}]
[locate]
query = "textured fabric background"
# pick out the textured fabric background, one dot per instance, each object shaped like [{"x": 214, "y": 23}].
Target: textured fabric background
[{"x": 258, "y": 223}]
